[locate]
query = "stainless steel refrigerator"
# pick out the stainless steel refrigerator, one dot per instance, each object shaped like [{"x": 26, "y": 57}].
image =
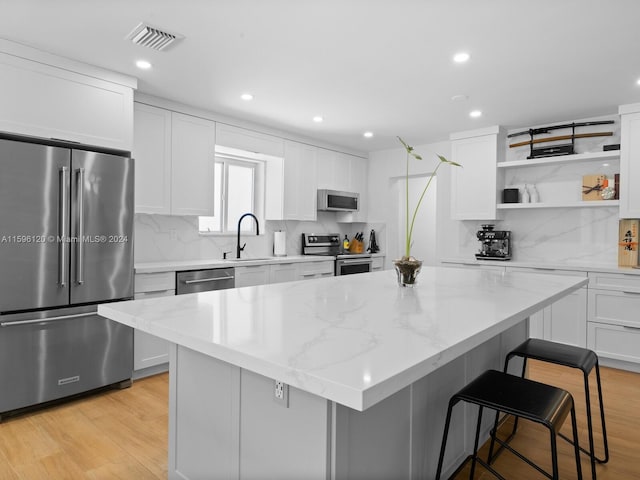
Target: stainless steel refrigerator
[{"x": 66, "y": 226}]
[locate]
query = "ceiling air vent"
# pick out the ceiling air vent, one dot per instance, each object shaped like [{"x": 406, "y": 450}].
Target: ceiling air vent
[{"x": 152, "y": 37}]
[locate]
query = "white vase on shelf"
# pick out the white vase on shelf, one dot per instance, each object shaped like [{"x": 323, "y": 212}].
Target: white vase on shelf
[
  {"x": 535, "y": 197},
  {"x": 525, "y": 195}
]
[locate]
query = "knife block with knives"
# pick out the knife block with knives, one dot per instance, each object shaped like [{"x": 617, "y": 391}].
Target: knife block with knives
[{"x": 357, "y": 244}]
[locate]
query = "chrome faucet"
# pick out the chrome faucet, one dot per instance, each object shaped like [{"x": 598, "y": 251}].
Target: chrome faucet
[{"x": 238, "y": 247}]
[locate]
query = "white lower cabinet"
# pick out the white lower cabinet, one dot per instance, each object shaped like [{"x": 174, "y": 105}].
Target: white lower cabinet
[
  {"x": 251, "y": 275},
  {"x": 565, "y": 321},
  {"x": 310, "y": 270},
  {"x": 149, "y": 351},
  {"x": 283, "y": 272},
  {"x": 614, "y": 324},
  {"x": 377, "y": 264}
]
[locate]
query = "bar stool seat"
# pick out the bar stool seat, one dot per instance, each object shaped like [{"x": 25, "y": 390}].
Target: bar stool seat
[
  {"x": 572, "y": 357},
  {"x": 522, "y": 398}
]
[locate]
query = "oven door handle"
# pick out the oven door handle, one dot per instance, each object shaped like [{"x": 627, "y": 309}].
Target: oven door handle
[{"x": 354, "y": 261}]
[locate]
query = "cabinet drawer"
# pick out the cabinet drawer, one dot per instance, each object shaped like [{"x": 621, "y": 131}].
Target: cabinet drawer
[
  {"x": 617, "y": 308},
  {"x": 153, "y": 282},
  {"x": 615, "y": 281},
  {"x": 549, "y": 271},
  {"x": 309, "y": 269},
  {"x": 488, "y": 266},
  {"x": 615, "y": 342},
  {"x": 377, "y": 263}
]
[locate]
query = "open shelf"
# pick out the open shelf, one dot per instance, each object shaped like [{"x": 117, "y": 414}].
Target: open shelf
[
  {"x": 589, "y": 204},
  {"x": 578, "y": 157}
]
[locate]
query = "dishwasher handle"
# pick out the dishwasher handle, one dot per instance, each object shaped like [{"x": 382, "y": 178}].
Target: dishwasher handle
[{"x": 204, "y": 280}]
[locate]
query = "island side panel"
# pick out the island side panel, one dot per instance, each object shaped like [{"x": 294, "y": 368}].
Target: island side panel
[
  {"x": 203, "y": 417},
  {"x": 400, "y": 436},
  {"x": 282, "y": 442}
]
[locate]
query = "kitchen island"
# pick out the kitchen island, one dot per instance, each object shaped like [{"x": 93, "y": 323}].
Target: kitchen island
[{"x": 368, "y": 369}]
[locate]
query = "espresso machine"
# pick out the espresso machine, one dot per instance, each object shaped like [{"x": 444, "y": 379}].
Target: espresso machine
[{"x": 494, "y": 244}]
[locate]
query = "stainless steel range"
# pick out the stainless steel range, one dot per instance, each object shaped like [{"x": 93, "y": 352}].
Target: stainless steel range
[{"x": 329, "y": 245}]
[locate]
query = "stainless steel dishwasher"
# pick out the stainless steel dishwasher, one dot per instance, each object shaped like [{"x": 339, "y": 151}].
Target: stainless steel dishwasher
[{"x": 193, "y": 281}]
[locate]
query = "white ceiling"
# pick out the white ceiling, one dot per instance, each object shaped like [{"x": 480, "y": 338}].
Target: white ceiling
[{"x": 379, "y": 65}]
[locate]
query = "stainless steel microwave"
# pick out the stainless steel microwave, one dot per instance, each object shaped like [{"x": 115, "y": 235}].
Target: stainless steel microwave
[{"x": 335, "y": 201}]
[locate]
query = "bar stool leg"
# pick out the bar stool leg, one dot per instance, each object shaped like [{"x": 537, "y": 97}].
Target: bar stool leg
[
  {"x": 576, "y": 448},
  {"x": 475, "y": 444},
  {"x": 604, "y": 428}
]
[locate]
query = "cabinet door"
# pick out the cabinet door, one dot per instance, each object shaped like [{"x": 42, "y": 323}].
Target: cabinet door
[
  {"x": 252, "y": 275},
  {"x": 310, "y": 270},
  {"x": 358, "y": 173},
  {"x": 566, "y": 321},
  {"x": 333, "y": 170},
  {"x": 243, "y": 139},
  {"x": 283, "y": 272},
  {"x": 50, "y": 102},
  {"x": 474, "y": 186},
  {"x": 193, "y": 143},
  {"x": 149, "y": 350},
  {"x": 630, "y": 166},
  {"x": 152, "y": 155},
  {"x": 300, "y": 183}
]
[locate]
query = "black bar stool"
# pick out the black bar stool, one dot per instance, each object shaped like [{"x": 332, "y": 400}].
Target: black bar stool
[
  {"x": 573, "y": 357},
  {"x": 521, "y": 397}
]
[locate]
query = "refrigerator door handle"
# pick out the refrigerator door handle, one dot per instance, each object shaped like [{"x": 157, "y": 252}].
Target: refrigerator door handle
[
  {"x": 62, "y": 206},
  {"x": 80, "y": 232},
  {"x": 43, "y": 320}
]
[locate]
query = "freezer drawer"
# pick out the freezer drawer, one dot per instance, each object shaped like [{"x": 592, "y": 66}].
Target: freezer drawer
[{"x": 51, "y": 358}]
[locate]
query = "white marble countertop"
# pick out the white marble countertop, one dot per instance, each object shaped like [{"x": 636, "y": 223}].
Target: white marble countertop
[
  {"x": 353, "y": 339},
  {"x": 178, "y": 265},
  {"x": 596, "y": 268}
]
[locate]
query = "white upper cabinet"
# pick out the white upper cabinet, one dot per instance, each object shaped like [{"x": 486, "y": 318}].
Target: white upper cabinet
[
  {"x": 42, "y": 100},
  {"x": 175, "y": 156},
  {"x": 193, "y": 146},
  {"x": 333, "y": 170},
  {"x": 152, "y": 154},
  {"x": 630, "y": 161},
  {"x": 344, "y": 173},
  {"x": 474, "y": 188},
  {"x": 249, "y": 140},
  {"x": 291, "y": 184}
]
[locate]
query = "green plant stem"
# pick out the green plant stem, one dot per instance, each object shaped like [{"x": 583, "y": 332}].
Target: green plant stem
[{"x": 407, "y": 247}]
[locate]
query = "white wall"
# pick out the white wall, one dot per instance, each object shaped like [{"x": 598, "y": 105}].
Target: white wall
[{"x": 386, "y": 167}]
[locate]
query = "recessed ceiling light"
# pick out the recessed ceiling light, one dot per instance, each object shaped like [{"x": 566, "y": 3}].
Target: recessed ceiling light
[
  {"x": 461, "y": 57},
  {"x": 459, "y": 98},
  {"x": 638, "y": 82},
  {"x": 475, "y": 114},
  {"x": 143, "y": 65},
  {"x": 318, "y": 119},
  {"x": 367, "y": 134},
  {"x": 246, "y": 97}
]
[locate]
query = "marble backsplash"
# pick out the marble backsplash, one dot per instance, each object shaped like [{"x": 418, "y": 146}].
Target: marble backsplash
[
  {"x": 572, "y": 236},
  {"x": 172, "y": 238}
]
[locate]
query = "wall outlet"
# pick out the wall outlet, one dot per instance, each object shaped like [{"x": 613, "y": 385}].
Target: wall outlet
[{"x": 281, "y": 393}]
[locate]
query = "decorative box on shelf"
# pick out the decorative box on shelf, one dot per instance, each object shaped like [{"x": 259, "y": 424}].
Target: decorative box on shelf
[
  {"x": 592, "y": 186},
  {"x": 628, "y": 243}
]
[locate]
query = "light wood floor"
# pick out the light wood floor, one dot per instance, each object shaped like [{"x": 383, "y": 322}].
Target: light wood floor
[{"x": 123, "y": 434}]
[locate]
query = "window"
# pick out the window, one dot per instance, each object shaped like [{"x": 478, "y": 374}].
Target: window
[{"x": 237, "y": 191}]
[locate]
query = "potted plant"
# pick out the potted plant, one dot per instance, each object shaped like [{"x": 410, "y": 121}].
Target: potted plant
[{"x": 408, "y": 267}]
